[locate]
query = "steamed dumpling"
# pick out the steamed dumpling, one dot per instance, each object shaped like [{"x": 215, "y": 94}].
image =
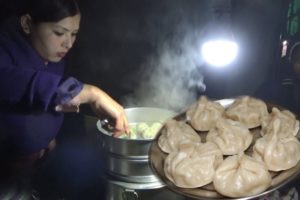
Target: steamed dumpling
[
  {"x": 193, "y": 165},
  {"x": 240, "y": 176},
  {"x": 288, "y": 123},
  {"x": 174, "y": 133},
  {"x": 278, "y": 153},
  {"x": 247, "y": 110},
  {"x": 232, "y": 137},
  {"x": 203, "y": 115}
]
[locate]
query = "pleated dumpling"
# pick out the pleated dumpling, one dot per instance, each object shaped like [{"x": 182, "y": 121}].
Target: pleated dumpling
[
  {"x": 232, "y": 137},
  {"x": 175, "y": 132},
  {"x": 240, "y": 176},
  {"x": 289, "y": 125},
  {"x": 247, "y": 110},
  {"x": 204, "y": 114},
  {"x": 193, "y": 165},
  {"x": 279, "y": 153}
]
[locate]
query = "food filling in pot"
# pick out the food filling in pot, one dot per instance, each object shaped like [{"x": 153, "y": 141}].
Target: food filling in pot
[{"x": 143, "y": 130}]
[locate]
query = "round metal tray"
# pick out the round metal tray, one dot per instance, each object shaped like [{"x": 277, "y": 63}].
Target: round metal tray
[{"x": 157, "y": 157}]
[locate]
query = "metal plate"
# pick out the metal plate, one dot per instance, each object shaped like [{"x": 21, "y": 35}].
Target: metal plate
[{"x": 157, "y": 157}]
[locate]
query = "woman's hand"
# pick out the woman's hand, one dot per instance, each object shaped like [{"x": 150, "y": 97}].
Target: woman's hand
[{"x": 100, "y": 103}]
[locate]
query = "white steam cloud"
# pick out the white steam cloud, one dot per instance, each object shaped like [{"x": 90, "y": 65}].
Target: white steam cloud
[{"x": 172, "y": 80}]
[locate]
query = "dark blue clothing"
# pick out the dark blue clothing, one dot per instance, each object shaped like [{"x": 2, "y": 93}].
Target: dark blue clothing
[{"x": 29, "y": 91}]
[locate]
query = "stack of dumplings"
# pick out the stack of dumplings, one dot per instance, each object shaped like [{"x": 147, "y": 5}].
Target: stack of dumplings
[{"x": 216, "y": 146}]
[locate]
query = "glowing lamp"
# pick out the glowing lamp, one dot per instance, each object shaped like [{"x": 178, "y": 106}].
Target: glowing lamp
[
  {"x": 219, "y": 47},
  {"x": 219, "y": 52}
]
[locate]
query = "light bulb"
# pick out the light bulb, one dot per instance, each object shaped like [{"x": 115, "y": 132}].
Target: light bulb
[{"x": 219, "y": 53}]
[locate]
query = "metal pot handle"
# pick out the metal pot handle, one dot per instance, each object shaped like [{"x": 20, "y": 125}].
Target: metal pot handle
[
  {"x": 130, "y": 195},
  {"x": 101, "y": 124}
]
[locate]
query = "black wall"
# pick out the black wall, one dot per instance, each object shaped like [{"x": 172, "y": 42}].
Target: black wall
[
  {"x": 147, "y": 53},
  {"x": 122, "y": 43}
]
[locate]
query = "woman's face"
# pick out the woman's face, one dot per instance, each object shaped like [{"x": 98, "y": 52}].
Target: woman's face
[{"x": 53, "y": 40}]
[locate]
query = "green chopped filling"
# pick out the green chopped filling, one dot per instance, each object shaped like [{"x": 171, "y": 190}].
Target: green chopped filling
[{"x": 143, "y": 131}]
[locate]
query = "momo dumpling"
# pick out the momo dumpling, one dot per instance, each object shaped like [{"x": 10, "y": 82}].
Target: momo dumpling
[
  {"x": 278, "y": 153},
  {"x": 175, "y": 132},
  {"x": 241, "y": 176},
  {"x": 288, "y": 123},
  {"x": 193, "y": 165},
  {"x": 247, "y": 110},
  {"x": 231, "y": 137},
  {"x": 204, "y": 114}
]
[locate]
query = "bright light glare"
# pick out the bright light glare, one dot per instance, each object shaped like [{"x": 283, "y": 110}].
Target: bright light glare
[{"x": 219, "y": 53}]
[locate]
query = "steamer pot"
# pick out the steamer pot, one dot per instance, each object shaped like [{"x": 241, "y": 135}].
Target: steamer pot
[
  {"x": 136, "y": 170},
  {"x": 137, "y": 147},
  {"x": 128, "y": 159},
  {"x": 120, "y": 190}
]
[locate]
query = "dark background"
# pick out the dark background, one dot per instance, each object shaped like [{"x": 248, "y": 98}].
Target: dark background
[
  {"x": 144, "y": 53},
  {"x": 147, "y": 53}
]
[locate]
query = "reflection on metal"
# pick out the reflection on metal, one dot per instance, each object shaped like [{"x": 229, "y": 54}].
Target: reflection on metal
[
  {"x": 284, "y": 48},
  {"x": 130, "y": 195}
]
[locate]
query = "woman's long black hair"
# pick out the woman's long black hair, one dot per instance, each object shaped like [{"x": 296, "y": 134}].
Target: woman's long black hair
[{"x": 49, "y": 10}]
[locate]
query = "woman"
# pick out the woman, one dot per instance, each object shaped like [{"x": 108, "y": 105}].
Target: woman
[{"x": 33, "y": 91}]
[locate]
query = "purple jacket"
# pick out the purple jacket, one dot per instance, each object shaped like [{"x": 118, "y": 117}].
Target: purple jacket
[{"x": 29, "y": 91}]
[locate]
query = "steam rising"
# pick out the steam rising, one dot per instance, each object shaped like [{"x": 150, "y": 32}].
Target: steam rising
[
  {"x": 171, "y": 80},
  {"x": 173, "y": 77}
]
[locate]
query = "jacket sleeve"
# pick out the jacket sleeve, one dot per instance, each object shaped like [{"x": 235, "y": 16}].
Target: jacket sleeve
[
  {"x": 68, "y": 89},
  {"x": 33, "y": 88}
]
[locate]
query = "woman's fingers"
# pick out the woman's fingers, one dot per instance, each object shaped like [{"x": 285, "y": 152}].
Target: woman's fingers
[
  {"x": 100, "y": 103},
  {"x": 121, "y": 125},
  {"x": 115, "y": 111}
]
